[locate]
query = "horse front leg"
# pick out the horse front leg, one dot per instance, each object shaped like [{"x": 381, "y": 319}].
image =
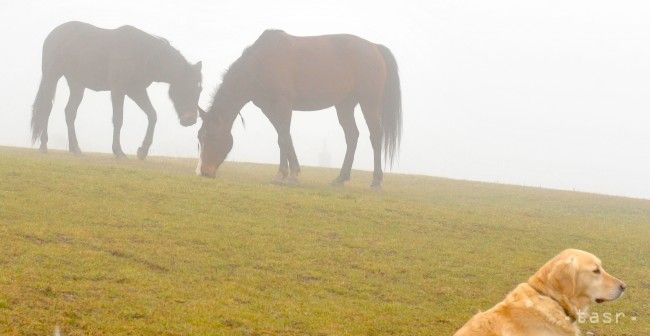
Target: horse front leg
[
  {"x": 345, "y": 114},
  {"x": 289, "y": 168},
  {"x": 292, "y": 158},
  {"x": 117, "y": 98},
  {"x": 141, "y": 98},
  {"x": 283, "y": 167},
  {"x": 294, "y": 166}
]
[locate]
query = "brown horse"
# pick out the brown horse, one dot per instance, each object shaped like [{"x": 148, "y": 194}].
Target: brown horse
[
  {"x": 124, "y": 61},
  {"x": 281, "y": 73}
]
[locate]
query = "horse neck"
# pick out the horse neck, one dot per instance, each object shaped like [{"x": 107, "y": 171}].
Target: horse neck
[
  {"x": 228, "y": 104},
  {"x": 231, "y": 97},
  {"x": 170, "y": 65}
]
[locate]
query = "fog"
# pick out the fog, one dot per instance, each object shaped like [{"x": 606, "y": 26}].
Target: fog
[{"x": 546, "y": 93}]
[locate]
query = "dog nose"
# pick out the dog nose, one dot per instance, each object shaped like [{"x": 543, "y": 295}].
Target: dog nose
[{"x": 623, "y": 286}]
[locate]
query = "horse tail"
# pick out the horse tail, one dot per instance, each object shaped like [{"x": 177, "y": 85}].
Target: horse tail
[
  {"x": 391, "y": 119},
  {"x": 43, "y": 103}
]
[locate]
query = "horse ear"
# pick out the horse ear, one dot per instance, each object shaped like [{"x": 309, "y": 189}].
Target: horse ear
[
  {"x": 202, "y": 113},
  {"x": 198, "y": 66}
]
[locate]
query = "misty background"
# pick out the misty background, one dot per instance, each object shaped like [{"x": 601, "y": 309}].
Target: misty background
[{"x": 544, "y": 93}]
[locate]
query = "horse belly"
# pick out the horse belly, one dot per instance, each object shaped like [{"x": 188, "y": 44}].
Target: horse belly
[
  {"x": 321, "y": 86},
  {"x": 90, "y": 77},
  {"x": 87, "y": 64},
  {"x": 94, "y": 80},
  {"x": 314, "y": 101}
]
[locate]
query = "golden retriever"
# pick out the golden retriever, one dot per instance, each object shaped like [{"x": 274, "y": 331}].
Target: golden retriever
[{"x": 549, "y": 303}]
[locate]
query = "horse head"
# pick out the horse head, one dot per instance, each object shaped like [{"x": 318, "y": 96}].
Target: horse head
[
  {"x": 184, "y": 92},
  {"x": 215, "y": 142}
]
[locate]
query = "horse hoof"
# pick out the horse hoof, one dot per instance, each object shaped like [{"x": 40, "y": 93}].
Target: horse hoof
[
  {"x": 279, "y": 179},
  {"x": 120, "y": 156},
  {"x": 142, "y": 153},
  {"x": 338, "y": 182},
  {"x": 376, "y": 186},
  {"x": 292, "y": 181},
  {"x": 76, "y": 152},
  {"x": 43, "y": 150}
]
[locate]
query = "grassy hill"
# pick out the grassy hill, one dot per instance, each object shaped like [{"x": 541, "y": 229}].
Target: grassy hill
[{"x": 105, "y": 247}]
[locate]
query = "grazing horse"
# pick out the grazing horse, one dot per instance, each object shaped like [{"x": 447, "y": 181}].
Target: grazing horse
[
  {"x": 281, "y": 73},
  {"x": 124, "y": 61}
]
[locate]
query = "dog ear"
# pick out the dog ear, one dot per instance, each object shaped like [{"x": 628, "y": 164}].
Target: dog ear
[{"x": 563, "y": 276}]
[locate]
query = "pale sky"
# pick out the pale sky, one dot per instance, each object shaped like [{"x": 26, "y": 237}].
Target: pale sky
[{"x": 540, "y": 93}]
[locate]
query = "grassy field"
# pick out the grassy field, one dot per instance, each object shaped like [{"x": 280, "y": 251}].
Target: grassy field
[{"x": 104, "y": 247}]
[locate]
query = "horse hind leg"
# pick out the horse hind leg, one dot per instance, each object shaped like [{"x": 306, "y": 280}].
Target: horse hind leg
[
  {"x": 345, "y": 113},
  {"x": 76, "y": 95},
  {"x": 42, "y": 108},
  {"x": 372, "y": 113}
]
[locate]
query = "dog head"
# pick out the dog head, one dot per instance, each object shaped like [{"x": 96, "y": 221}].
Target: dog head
[{"x": 577, "y": 278}]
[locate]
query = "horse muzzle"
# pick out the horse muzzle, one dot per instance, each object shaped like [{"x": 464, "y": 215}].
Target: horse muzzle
[{"x": 188, "y": 119}]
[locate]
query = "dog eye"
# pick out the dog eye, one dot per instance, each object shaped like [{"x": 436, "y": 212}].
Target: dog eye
[{"x": 597, "y": 271}]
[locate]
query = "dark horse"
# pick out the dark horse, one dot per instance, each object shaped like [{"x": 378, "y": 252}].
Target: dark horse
[
  {"x": 280, "y": 73},
  {"x": 124, "y": 61}
]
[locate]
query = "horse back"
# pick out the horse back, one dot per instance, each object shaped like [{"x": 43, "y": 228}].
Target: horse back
[
  {"x": 93, "y": 56},
  {"x": 317, "y": 71}
]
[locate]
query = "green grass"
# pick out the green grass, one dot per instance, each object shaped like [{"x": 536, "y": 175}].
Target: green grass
[{"x": 105, "y": 247}]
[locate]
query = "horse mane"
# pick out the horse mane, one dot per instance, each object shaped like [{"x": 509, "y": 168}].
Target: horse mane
[
  {"x": 162, "y": 39},
  {"x": 167, "y": 45},
  {"x": 238, "y": 69},
  {"x": 235, "y": 68},
  {"x": 156, "y": 41},
  {"x": 232, "y": 73}
]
